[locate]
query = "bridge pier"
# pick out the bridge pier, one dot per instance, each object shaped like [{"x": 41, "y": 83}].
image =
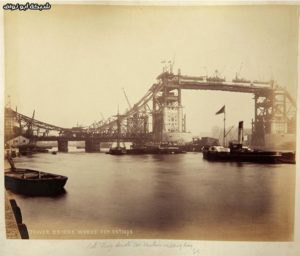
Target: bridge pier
[
  {"x": 62, "y": 145},
  {"x": 92, "y": 145}
]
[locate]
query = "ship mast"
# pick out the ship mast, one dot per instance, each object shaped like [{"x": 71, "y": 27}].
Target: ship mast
[
  {"x": 118, "y": 128},
  {"x": 224, "y": 134}
]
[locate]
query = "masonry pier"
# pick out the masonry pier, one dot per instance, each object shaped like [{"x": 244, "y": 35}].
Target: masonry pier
[
  {"x": 92, "y": 145},
  {"x": 62, "y": 145}
]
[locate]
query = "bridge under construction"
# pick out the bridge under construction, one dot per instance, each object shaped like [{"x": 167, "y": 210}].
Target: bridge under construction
[{"x": 158, "y": 115}]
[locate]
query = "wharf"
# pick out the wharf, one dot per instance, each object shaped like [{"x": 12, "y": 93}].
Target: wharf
[
  {"x": 15, "y": 229},
  {"x": 12, "y": 230}
]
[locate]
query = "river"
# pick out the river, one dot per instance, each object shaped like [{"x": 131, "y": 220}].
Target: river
[{"x": 160, "y": 196}]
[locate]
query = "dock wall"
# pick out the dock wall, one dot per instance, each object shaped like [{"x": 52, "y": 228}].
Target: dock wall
[{"x": 15, "y": 228}]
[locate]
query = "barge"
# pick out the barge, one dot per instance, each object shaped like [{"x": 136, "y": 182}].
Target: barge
[
  {"x": 32, "y": 182},
  {"x": 238, "y": 153},
  {"x": 163, "y": 148}
]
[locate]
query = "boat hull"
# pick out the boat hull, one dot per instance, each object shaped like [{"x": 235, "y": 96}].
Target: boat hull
[
  {"x": 155, "y": 150},
  {"x": 117, "y": 151},
  {"x": 34, "y": 183},
  {"x": 255, "y": 157}
]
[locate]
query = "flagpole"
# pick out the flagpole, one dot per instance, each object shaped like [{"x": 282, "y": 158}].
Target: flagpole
[{"x": 222, "y": 110}]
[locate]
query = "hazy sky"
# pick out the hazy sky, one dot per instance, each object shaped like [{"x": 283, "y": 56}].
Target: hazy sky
[{"x": 70, "y": 63}]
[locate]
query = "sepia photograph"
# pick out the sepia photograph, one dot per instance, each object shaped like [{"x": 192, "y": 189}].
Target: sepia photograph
[{"x": 148, "y": 122}]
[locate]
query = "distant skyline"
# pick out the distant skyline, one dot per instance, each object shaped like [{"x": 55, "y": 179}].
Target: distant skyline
[{"x": 70, "y": 63}]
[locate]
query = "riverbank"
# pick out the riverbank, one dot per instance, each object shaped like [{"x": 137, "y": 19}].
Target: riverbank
[{"x": 12, "y": 230}]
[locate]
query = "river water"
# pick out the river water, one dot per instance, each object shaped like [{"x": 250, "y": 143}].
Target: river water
[{"x": 160, "y": 196}]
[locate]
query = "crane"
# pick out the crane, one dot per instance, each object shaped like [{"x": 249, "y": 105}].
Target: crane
[
  {"x": 29, "y": 131},
  {"x": 129, "y": 105}
]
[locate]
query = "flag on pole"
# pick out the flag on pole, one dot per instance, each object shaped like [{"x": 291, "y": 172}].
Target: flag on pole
[{"x": 222, "y": 110}]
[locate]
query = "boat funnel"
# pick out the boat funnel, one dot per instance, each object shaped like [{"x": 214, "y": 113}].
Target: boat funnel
[{"x": 241, "y": 132}]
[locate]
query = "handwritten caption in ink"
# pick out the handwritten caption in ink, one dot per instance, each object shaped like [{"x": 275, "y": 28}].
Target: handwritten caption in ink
[{"x": 175, "y": 245}]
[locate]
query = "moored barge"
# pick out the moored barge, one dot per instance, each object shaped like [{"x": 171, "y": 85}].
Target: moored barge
[
  {"x": 238, "y": 153},
  {"x": 34, "y": 183},
  {"x": 162, "y": 148}
]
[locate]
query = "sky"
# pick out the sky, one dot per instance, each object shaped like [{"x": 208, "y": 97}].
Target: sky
[{"x": 70, "y": 63}]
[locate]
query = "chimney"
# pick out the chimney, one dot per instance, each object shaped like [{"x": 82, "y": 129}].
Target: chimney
[{"x": 241, "y": 132}]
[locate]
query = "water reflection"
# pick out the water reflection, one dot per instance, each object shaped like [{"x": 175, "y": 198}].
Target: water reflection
[{"x": 165, "y": 196}]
